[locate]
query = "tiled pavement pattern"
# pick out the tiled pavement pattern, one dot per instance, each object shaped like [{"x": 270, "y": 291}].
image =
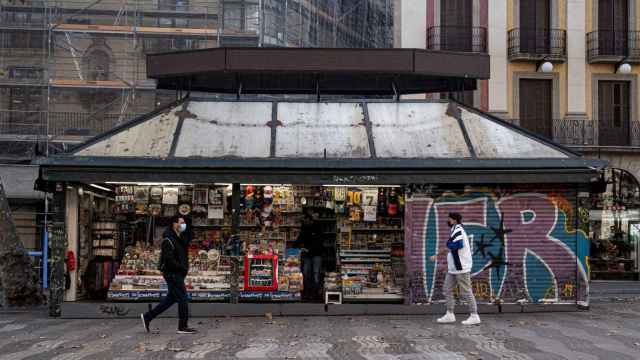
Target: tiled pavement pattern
[{"x": 608, "y": 331}]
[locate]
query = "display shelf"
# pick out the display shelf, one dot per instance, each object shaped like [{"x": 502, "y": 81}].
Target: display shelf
[
  {"x": 259, "y": 282},
  {"x": 374, "y": 297},
  {"x": 364, "y": 261},
  {"x": 274, "y": 296},
  {"x": 147, "y": 295}
]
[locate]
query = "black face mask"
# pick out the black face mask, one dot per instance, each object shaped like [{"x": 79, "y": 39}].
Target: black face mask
[{"x": 450, "y": 224}]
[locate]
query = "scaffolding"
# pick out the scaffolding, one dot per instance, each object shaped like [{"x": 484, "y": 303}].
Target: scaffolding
[{"x": 70, "y": 69}]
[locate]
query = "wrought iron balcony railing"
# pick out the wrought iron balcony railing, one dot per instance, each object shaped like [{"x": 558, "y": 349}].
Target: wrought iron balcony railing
[
  {"x": 613, "y": 46},
  {"x": 457, "y": 38},
  {"x": 537, "y": 44},
  {"x": 576, "y": 132}
]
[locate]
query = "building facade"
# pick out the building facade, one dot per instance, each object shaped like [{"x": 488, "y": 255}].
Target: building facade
[
  {"x": 566, "y": 70},
  {"x": 72, "y": 69}
]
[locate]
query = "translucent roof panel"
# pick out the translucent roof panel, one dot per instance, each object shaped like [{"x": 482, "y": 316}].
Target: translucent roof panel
[
  {"x": 309, "y": 129},
  {"x": 151, "y": 138},
  {"x": 416, "y": 130},
  {"x": 226, "y": 129},
  {"x": 492, "y": 140}
]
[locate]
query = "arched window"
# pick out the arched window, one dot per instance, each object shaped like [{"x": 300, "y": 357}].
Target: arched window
[{"x": 97, "y": 65}]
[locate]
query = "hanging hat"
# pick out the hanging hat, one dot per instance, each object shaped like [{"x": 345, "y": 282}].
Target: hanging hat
[{"x": 268, "y": 191}]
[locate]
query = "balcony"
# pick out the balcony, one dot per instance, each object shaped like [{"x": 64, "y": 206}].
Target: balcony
[
  {"x": 605, "y": 46},
  {"x": 585, "y": 133},
  {"x": 457, "y": 38},
  {"x": 537, "y": 45}
]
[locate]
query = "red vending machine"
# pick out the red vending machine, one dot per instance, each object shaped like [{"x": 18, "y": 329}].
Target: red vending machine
[{"x": 261, "y": 273}]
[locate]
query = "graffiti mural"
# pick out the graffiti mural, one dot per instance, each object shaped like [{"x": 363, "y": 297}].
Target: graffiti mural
[{"x": 528, "y": 247}]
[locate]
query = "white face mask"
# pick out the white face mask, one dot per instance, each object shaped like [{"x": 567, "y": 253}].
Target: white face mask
[{"x": 182, "y": 228}]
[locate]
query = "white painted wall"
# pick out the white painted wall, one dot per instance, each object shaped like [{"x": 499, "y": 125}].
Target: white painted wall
[
  {"x": 497, "y": 38},
  {"x": 72, "y": 203},
  {"x": 410, "y": 23},
  {"x": 576, "y": 62}
]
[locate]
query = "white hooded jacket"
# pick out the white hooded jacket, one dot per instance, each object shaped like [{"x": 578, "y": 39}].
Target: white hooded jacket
[{"x": 459, "y": 259}]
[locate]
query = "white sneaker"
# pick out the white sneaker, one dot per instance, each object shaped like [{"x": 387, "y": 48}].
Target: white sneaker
[
  {"x": 448, "y": 318},
  {"x": 473, "y": 319}
]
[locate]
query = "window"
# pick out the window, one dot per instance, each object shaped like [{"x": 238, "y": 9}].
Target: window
[
  {"x": 26, "y": 73},
  {"x": 97, "y": 65},
  {"x": 613, "y": 113},
  {"x": 613, "y": 25},
  {"x": 25, "y": 106},
  {"x": 170, "y": 44},
  {"x": 241, "y": 16},
  {"x": 13, "y": 39},
  {"x": 456, "y": 17},
  {"x": 25, "y": 98},
  {"x": 534, "y": 26},
  {"x": 179, "y": 6},
  {"x": 19, "y": 18},
  {"x": 233, "y": 17}
]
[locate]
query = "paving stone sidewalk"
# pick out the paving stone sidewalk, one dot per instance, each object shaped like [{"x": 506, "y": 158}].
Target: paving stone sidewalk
[{"x": 608, "y": 331}]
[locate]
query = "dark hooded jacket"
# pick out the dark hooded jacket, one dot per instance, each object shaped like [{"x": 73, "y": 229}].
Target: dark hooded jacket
[
  {"x": 311, "y": 239},
  {"x": 174, "y": 257}
]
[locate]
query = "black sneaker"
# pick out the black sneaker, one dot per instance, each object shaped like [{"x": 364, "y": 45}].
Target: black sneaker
[
  {"x": 187, "y": 331},
  {"x": 145, "y": 322}
]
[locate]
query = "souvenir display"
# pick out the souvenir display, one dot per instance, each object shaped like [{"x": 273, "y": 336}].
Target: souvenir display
[
  {"x": 141, "y": 208},
  {"x": 215, "y": 212},
  {"x": 142, "y": 194},
  {"x": 185, "y": 195},
  {"x": 200, "y": 195},
  {"x": 155, "y": 209},
  {"x": 155, "y": 195},
  {"x": 170, "y": 196},
  {"x": 169, "y": 210},
  {"x": 138, "y": 275},
  {"x": 361, "y": 229},
  {"x": 184, "y": 209},
  {"x": 260, "y": 273},
  {"x": 105, "y": 239}
]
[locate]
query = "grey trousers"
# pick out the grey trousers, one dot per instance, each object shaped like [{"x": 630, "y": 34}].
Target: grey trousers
[{"x": 463, "y": 281}]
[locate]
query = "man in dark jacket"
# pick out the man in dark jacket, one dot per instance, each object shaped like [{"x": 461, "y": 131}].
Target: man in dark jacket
[
  {"x": 311, "y": 241},
  {"x": 174, "y": 264}
]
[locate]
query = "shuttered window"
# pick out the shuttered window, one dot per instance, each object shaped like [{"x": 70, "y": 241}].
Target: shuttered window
[
  {"x": 456, "y": 17},
  {"x": 613, "y": 25},
  {"x": 536, "y": 106},
  {"x": 613, "y": 113},
  {"x": 534, "y": 26}
]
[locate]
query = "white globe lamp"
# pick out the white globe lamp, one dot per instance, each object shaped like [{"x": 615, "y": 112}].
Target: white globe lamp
[
  {"x": 624, "y": 68},
  {"x": 546, "y": 67}
]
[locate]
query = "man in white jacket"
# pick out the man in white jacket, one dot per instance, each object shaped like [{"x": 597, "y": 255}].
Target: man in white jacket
[{"x": 459, "y": 263}]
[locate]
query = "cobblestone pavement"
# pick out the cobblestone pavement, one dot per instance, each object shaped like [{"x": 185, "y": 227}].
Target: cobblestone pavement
[{"x": 608, "y": 331}]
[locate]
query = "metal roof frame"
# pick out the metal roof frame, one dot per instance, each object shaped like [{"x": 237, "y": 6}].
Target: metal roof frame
[{"x": 371, "y": 170}]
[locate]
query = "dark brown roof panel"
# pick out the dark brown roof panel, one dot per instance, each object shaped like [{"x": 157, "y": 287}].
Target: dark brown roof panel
[{"x": 329, "y": 71}]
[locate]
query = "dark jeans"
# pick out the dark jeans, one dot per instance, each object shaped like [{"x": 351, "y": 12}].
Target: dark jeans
[
  {"x": 177, "y": 294},
  {"x": 311, "y": 267}
]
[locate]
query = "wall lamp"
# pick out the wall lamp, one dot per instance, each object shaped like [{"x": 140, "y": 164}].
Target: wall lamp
[
  {"x": 544, "y": 66},
  {"x": 623, "y": 67}
]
